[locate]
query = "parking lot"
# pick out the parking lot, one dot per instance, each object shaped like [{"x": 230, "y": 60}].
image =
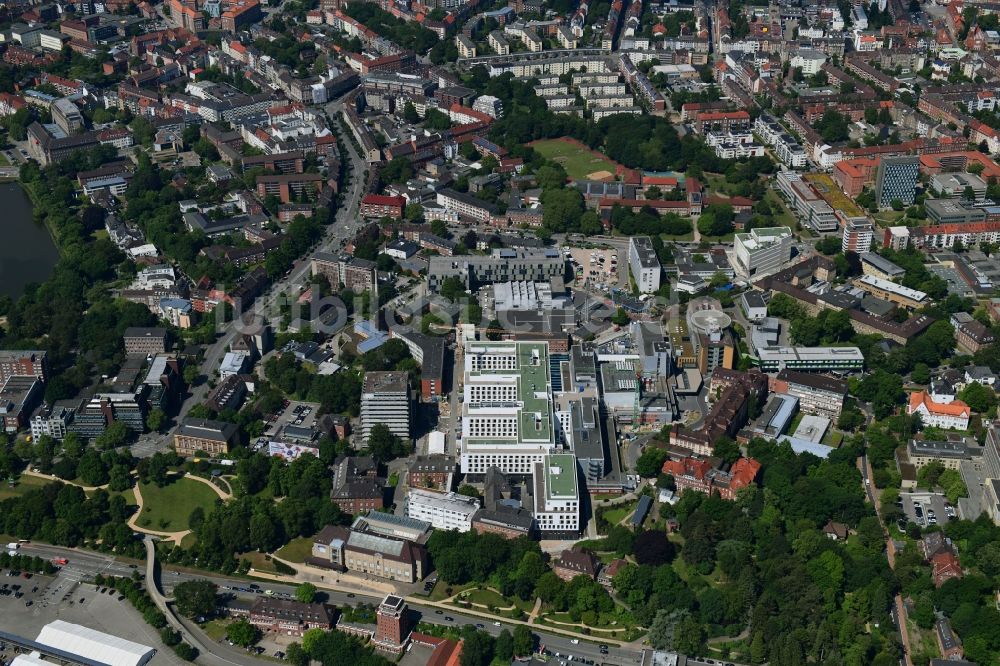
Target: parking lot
[
  {"x": 294, "y": 414},
  {"x": 926, "y": 509},
  {"x": 596, "y": 269},
  {"x": 64, "y": 597}
]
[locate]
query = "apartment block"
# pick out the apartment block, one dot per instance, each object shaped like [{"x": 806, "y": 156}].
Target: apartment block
[
  {"x": 385, "y": 398},
  {"x": 345, "y": 271},
  {"x": 467, "y": 206},
  {"x": 817, "y": 394},
  {"x": 763, "y": 250},
  {"x": 858, "y": 235},
  {"x": 290, "y": 186},
  {"x": 379, "y": 206},
  {"x": 51, "y": 422},
  {"x": 25, "y": 363},
  {"x": 644, "y": 264},
  {"x": 502, "y": 265}
]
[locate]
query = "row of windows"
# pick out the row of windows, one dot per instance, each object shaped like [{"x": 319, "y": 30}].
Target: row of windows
[
  {"x": 491, "y": 427},
  {"x": 493, "y": 393},
  {"x": 494, "y": 362}
]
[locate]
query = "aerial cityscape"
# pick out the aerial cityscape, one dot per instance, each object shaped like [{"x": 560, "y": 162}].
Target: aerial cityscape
[{"x": 477, "y": 333}]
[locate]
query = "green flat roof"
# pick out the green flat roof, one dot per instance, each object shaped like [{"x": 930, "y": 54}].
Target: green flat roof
[
  {"x": 535, "y": 417},
  {"x": 561, "y": 484}
]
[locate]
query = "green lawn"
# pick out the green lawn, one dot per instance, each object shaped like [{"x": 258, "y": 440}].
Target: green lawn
[
  {"x": 487, "y": 598},
  {"x": 781, "y": 216},
  {"x": 21, "y": 486},
  {"x": 441, "y": 588},
  {"x": 215, "y": 629},
  {"x": 578, "y": 161},
  {"x": 296, "y": 550},
  {"x": 259, "y": 561},
  {"x": 167, "y": 509},
  {"x": 614, "y": 516}
]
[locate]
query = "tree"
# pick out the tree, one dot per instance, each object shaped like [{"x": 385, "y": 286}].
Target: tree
[
  {"x": 727, "y": 449},
  {"x": 829, "y": 245},
  {"x": 155, "y": 419},
  {"x": 242, "y": 633},
  {"x": 119, "y": 478},
  {"x": 921, "y": 374},
  {"x": 440, "y": 228},
  {"x": 980, "y": 398},
  {"x": 384, "y": 445},
  {"x": 650, "y": 463},
  {"x": 477, "y": 647},
  {"x": 524, "y": 642},
  {"x": 305, "y": 593},
  {"x": 652, "y": 547},
  {"x": 504, "y": 647},
  {"x": 195, "y": 597},
  {"x": 663, "y": 630},
  {"x": 410, "y": 114},
  {"x": 295, "y": 655},
  {"x": 452, "y": 288},
  {"x": 620, "y": 317},
  {"x": 468, "y": 490}
]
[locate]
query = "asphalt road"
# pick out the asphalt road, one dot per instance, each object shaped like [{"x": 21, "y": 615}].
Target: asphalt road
[{"x": 84, "y": 565}]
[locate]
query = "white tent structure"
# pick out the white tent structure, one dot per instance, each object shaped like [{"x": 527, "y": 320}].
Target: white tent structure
[
  {"x": 30, "y": 659},
  {"x": 94, "y": 645}
]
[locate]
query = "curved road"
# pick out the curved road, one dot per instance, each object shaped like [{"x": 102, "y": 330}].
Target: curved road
[{"x": 217, "y": 654}]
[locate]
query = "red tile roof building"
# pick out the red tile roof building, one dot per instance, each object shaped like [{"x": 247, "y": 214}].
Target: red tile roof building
[
  {"x": 380, "y": 205},
  {"x": 954, "y": 414},
  {"x": 702, "y": 476},
  {"x": 945, "y": 565}
]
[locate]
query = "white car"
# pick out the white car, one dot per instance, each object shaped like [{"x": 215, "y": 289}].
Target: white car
[{"x": 575, "y": 641}]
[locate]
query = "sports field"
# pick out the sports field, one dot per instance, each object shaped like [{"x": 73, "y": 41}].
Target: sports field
[{"x": 580, "y": 162}]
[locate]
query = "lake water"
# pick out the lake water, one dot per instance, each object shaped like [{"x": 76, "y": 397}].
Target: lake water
[{"x": 27, "y": 253}]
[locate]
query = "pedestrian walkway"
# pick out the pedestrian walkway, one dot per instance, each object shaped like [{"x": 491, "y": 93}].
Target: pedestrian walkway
[{"x": 52, "y": 477}]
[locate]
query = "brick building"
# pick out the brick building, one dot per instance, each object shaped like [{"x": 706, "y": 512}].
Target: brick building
[
  {"x": 145, "y": 341},
  {"x": 23, "y": 363},
  {"x": 380, "y": 205},
  {"x": 702, "y": 476},
  {"x": 573, "y": 563},
  {"x": 288, "y": 617},
  {"x": 290, "y": 185},
  {"x": 434, "y": 472}
]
